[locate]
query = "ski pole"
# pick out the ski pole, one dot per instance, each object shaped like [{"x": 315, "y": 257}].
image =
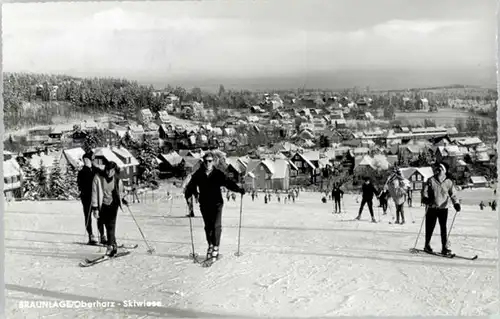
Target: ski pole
[
  {"x": 193, "y": 254},
  {"x": 238, "y": 253},
  {"x": 150, "y": 250},
  {"x": 414, "y": 249},
  {"x": 451, "y": 227}
]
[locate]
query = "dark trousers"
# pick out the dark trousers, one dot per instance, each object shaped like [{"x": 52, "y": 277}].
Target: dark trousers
[
  {"x": 87, "y": 213},
  {"x": 212, "y": 217},
  {"x": 409, "y": 201},
  {"x": 107, "y": 216},
  {"x": 338, "y": 207},
  {"x": 369, "y": 202},
  {"x": 400, "y": 212},
  {"x": 433, "y": 215},
  {"x": 384, "y": 206}
]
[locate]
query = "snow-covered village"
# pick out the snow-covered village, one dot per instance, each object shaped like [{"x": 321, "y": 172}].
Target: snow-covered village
[{"x": 150, "y": 173}]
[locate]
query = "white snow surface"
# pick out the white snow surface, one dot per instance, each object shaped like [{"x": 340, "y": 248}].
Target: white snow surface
[{"x": 299, "y": 260}]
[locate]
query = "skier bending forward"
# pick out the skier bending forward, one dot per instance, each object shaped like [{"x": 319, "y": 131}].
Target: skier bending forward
[{"x": 209, "y": 180}]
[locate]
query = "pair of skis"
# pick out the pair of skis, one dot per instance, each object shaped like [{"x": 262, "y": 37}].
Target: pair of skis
[
  {"x": 206, "y": 263},
  {"x": 450, "y": 256},
  {"x": 91, "y": 262}
]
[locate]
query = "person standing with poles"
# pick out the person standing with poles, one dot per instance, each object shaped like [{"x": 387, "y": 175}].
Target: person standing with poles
[
  {"x": 368, "y": 191},
  {"x": 397, "y": 191},
  {"x": 438, "y": 191},
  {"x": 206, "y": 183},
  {"x": 107, "y": 197},
  {"x": 337, "y": 195},
  {"x": 84, "y": 180}
]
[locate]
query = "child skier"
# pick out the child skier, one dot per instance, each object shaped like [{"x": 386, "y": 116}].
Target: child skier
[
  {"x": 437, "y": 192},
  {"x": 209, "y": 180},
  {"x": 107, "y": 197},
  {"x": 383, "y": 200},
  {"x": 397, "y": 191},
  {"x": 337, "y": 195}
]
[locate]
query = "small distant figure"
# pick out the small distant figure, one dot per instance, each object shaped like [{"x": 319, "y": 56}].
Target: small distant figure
[
  {"x": 278, "y": 197},
  {"x": 253, "y": 195},
  {"x": 494, "y": 205},
  {"x": 228, "y": 196},
  {"x": 481, "y": 205},
  {"x": 265, "y": 199},
  {"x": 337, "y": 194},
  {"x": 233, "y": 196}
]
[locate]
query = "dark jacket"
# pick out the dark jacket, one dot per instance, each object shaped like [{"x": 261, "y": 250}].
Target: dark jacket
[
  {"x": 368, "y": 191},
  {"x": 209, "y": 186},
  {"x": 337, "y": 193},
  {"x": 84, "y": 180}
]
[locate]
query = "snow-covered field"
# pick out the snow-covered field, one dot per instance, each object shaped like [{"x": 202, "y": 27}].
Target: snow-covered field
[{"x": 299, "y": 260}]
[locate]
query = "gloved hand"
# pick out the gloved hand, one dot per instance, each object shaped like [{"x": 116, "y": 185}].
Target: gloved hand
[
  {"x": 457, "y": 207},
  {"x": 124, "y": 202},
  {"x": 95, "y": 212},
  {"x": 242, "y": 191}
]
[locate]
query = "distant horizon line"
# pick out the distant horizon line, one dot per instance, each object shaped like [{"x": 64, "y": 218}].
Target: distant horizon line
[{"x": 255, "y": 83}]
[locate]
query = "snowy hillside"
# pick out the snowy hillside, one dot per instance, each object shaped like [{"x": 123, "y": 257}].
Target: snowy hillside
[{"x": 300, "y": 260}]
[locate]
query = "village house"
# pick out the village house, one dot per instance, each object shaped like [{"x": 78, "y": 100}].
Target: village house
[
  {"x": 162, "y": 117},
  {"x": 478, "y": 182},
  {"x": 72, "y": 157},
  {"x": 409, "y": 153},
  {"x": 422, "y": 104},
  {"x": 136, "y": 132},
  {"x": 271, "y": 174},
  {"x": 417, "y": 176},
  {"x": 124, "y": 160},
  {"x": 450, "y": 154},
  {"x": 145, "y": 116},
  {"x": 307, "y": 164},
  {"x": 12, "y": 178},
  {"x": 170, "y": 163}
]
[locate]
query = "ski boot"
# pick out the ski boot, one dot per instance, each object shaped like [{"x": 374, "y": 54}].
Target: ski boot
[
  {"x": 209, "y": 252},
  {"x": 92, "y": 240},
  {"x": 403, "y": 222},
  {"x": 358, "y": 218},
  {"x": 446, "y": 252},
  {"x": 111, "y": 250},
  {"x": 428, "y": 249},
  {"x": 215, "y": 254},
  {"x": 103, "y": 240},
  {"x": 374, "y": 220}
]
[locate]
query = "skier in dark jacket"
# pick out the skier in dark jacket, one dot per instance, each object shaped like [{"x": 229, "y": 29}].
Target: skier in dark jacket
[
  {"x": 437, "y": 192},
  {"x": 209, "y": 180},
  {"x": 368, "y": 191},
  {"x": 84, "y": 181},
  {"x": 337, "y": 195}
]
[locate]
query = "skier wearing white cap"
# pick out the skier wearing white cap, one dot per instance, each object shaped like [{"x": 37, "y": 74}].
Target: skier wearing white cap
[{"x": 437, "y": 192}]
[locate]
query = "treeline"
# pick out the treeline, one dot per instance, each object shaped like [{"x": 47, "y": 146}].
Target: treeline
[{"x": 104, "y": 95}]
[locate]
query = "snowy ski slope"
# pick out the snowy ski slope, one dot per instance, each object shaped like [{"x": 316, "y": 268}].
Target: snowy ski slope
[{"x": 300, "y": 260}]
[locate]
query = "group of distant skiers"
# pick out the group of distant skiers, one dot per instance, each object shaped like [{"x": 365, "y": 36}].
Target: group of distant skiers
[{"x": 102, "y": 194}]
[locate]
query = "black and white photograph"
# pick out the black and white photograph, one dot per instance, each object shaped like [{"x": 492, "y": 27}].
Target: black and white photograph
[{"x": 250, "y": 159}]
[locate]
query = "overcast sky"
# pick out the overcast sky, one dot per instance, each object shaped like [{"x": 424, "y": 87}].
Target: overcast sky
[{"x": 247, "y": 39}]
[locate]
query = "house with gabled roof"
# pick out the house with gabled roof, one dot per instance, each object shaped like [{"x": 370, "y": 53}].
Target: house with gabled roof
[{"x": 417, "y": 176}]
